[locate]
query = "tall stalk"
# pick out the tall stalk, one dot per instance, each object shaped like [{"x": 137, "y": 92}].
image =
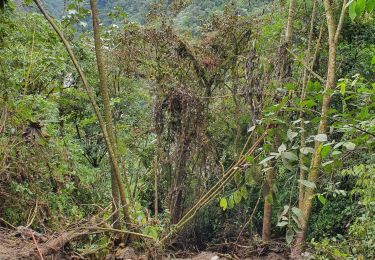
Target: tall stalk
[
  {"x": 91, "y": 95},
  {"x": 334, "y": 30},
  {"x": 271, "y": 173}
]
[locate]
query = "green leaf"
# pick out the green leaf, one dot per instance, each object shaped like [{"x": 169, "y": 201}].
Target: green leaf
[
  {"x": 370, "y": 5},
  {"x": 250, "y": 159},
  {"x": 223, "y": 203},
  {"x": 285, "y": 210},
  {"x": 349, "y": 145},
  {"x": 321, "y": 138},
  {"x": 322, "y": 199},
  {"x": 342, "y": 88},
  {"x": 151, "y": 231},
  {"x": 238, "y": 178},
  {"x": 267, "y": 159},
  {"x": 251, "y": 129},
  {"x": 237, "y": 197},
  {"x": 325, "y": 151},
  {"x": 352, "y": 11},
  {"x": 296, "y": 220},
  {"x": 287, "y": 165},
  {"x": 306, "y": 150},
  {"x": 231, "y": 202},
  {"x": 308, "y": 103},
  {"x": 282, "y": 224},
  {"x": 290, "y": 156},
  {"x": 360, "y": 7},
  {"x": 307, "y": 183},
  {"x": 364, "y": 113},
  {"x": 289, "y": 236},
  {"x": 243, "y": 192},
  {"x": 297, "y": 212},
  {"x": 291, "y": 135},
  {"x": 281, "y": 148}
]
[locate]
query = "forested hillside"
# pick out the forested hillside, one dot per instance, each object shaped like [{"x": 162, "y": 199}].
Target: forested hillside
[
  {"x": 187, "y": 14},
  {"x": 187, "y": 129}
]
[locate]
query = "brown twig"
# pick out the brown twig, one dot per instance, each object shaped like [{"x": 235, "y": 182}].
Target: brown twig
[{"x": 37, "y": 247}]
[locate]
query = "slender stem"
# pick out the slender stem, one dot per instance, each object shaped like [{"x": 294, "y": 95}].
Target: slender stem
[{"x": 90, "y": 93}]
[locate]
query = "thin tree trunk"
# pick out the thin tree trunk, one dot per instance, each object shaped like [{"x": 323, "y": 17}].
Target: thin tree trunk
[
  {"x": 289, "y": 27},
  {"x": 91, "y": 95},
  {"x": 106, "y": 107},
  {"x": 267, "y": 208},
  {"x": 271, "y": 175},
  {"x": 333, "y": 36},
  {"x": 303, "y": 96},
  {"x": 156, "y": 206}
]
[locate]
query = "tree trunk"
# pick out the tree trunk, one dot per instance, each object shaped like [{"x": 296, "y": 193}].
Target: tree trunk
[
  {"x": 267, "y": 208},
  {"x": 305, "y": 80},
  {"x": 107, "y": 115},
  {"x": 176, "y": 193},
  {"x": 91, "y": 95},
  {"x": 306, "y": 204},
  {"x": 283, "y": 74}
]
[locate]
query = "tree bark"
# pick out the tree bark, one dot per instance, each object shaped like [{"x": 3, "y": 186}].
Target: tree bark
[
  {"x": 91, "y": 95},
  {"x": 267, "y": 208},
  {"x": 107, "y": 114},
  {"x": 305, "y": 79},
  {"x": 284, "y": 73},
  {"x": 306, "y": 205}
]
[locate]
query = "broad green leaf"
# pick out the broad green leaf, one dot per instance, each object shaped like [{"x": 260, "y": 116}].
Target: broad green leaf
[
  {"x": 338, "y": 145},
  {"x": 151, "y": 231},
  {"x": 231, "y": 202},
  {"x": 290, "y": 156},
  {"x": 349, "y": 145},
  {"x": 325, "y": 151},
  {"x": 250, "y": 159},
  {"x": 370, "y": 5},
  {"x": 223, "y": 203},
  {"x": 282, "y": 148},
  {"x": 267, "y": 159},
  {"x": 342, "y": 88},
  {"x": 287, "y": 164},
  {"x": 289, "y": 236},
  {"x": 321, "y": 138},
  {"x": 352, "y": 11},
  {"x": 306, "y": 150},
  {"x": 308, "y": 103},
  {"x": 238, "y": 178},
  {"x": 282, "y": 224},
  {"x": 327, "y": 163},
  {"x": 243, "y": 192},
  {"x": 360, "y": 7},
  {"x": 297, "y": 212},
  {"x": 291, "y": 135},
  {"x": 307, "y": 183},
  {"x": 322, "y": 199},
  {"x": 237, "y": 196},
  {"x": 251, "y": 129},
  {"x": 285, "y": 210},
  {"x": 296, "y": 220}
]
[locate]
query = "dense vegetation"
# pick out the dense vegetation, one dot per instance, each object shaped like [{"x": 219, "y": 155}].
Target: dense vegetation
[{"x": 192, "y": 123}]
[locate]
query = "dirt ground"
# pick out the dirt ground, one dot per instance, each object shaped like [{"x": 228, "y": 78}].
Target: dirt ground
[{"x": 24, "y": 243}]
